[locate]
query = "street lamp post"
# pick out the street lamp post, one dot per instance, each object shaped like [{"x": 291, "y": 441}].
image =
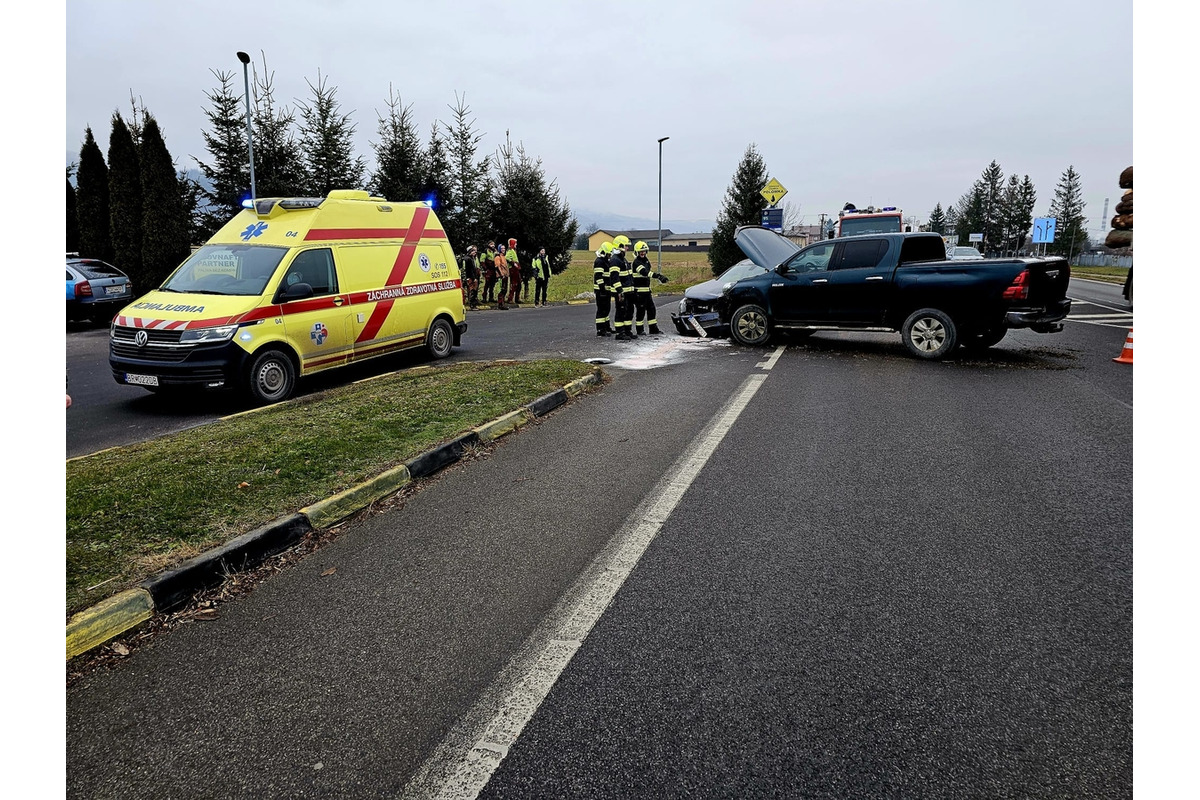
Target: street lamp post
[
  {"x": 245, "y": 59},
  {"x": 660, "y": 141}
]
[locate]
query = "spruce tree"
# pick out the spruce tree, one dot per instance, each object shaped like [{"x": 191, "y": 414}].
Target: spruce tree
[
  {"x": 529, "y": 209},
  {"x": 435, "y": 186},
  {"x": 743, "y": 205},
  {"x": 164, "y": 223},
  {"x": 400, "y": 167},
  {"x": 992, "y": 184},
  {"x": 971, "y": 212},
  {"x": 465, "y": 219},
  {"x": 326, "y": 144},
  {"x": 72, "y": 215},
  {"x": 937, "y": 219},
  {"x": 278, "y": 167},
  {"x": 125, "y": 198},
  {"x": 1070, "y": 235},
  {"x": 1017, "y": 215},
  {"x": 91, "y": 194},
  {"x": 228, "y": 168}
]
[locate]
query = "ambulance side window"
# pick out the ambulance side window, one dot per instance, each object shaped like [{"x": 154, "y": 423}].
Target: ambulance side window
[{"x": 314, "y": 267}]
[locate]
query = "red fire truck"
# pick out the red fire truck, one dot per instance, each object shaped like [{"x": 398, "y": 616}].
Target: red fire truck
[{"x": 853, "y": 221}]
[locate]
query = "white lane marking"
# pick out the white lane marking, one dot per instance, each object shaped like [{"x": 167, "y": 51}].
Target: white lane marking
[
  {"x": 467, "y": 758},
  {"x": 1124, "y": 315},
  {"x": 766, "y": 365},
  {"x": 1111, "y": 324},
  {"x": 1075, "y": 300}
]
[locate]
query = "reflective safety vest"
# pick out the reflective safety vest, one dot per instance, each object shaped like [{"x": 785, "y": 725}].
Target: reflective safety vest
[{"x": 541, "y": 268}]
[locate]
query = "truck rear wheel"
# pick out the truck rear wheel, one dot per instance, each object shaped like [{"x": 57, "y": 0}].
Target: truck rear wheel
[
  {"x": 929, "y": 334},
  {"x": 271, "y": 377},
  {"x": 440, "y": 339},
  {"x": 749, "y": 326}
]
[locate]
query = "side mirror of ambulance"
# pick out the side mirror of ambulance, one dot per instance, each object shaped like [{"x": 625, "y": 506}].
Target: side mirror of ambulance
[{"x": 297, "y": 291}]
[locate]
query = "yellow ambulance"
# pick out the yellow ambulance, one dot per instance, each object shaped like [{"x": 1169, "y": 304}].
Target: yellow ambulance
[{"x": 291, "y": 287}]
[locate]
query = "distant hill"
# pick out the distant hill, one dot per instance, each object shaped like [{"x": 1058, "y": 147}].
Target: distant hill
[{"x": 605, "y": 219}]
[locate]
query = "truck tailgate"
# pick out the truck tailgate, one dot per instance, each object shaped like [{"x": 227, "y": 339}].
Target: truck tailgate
[{"x": 1048, "y": 280}]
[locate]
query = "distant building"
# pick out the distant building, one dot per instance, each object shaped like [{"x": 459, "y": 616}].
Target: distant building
[
  {"x": 687, "y": 241},
  {"x": 649, "y": 237}
]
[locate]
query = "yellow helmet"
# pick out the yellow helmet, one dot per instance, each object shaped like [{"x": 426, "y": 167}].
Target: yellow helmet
[
  {"x": 641, "y": 247},
  {"x": 621, "y": 240},
  {"x": 605, "y": 249}
]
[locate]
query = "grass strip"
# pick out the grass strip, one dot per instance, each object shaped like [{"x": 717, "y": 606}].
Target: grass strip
[{"x": 135, "y": 511}]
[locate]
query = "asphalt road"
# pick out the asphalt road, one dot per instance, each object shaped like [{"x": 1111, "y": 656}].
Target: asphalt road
[{"x": 887, "y": 578}]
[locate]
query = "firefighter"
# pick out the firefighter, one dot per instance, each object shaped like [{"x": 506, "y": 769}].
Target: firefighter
[
  {"x": 600, "y": 286},
  {"x": 622, "y": 282},
  {"x": 646, "y": 314}
]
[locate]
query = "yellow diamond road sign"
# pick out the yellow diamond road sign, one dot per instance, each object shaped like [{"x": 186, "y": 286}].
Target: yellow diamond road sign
[{"x": 773, "y": 191}]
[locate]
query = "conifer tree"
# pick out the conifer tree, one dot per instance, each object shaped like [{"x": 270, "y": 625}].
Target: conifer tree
[
  {"x": 1070, "y": 235},
  {"x": 278, "y": 167},
  {"x": 400, "y": 168},
  {"x": 164, "y": 225},
  {"x": 228, "y": 169},
  {"x": 435, "y": 187},
  {"x": 326, "y": 145},
  {"x": 529, "y": 209},
  {"x": 743, "y": 205},
  {"x": 125, "y": 198},
  {"x": 72, "y": 215},
  {"x": 971, "y": 212},
  {"x": 1017, "y": 213},
  {"x": 91, "y": 194},
  {"x": 992, "y": 184},
  {"x": 937, "y": 219},
  {"x": 465, "y": 220}
]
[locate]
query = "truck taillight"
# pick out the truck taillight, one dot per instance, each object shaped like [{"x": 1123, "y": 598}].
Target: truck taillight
[
  {"x": 83, "y": 289},
  {"x": 1019, "y": 289}
]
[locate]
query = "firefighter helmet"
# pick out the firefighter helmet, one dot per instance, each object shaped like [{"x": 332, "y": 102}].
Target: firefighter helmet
[
  {"x": 641, "y": 247},
  {"x": 621, "y": 240},
  {"x": 605, "y": 249}
]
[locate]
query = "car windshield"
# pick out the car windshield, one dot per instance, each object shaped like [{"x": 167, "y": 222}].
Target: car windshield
[
  {"x": 742, "y": 269},
  {"x": 233, "y": 269},
  {"x": 97, "y": 269}
]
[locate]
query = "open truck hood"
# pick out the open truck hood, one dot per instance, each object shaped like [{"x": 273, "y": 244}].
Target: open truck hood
[{"x": 763, "y": 246}]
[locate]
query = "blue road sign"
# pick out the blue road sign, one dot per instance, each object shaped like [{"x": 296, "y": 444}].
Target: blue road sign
[
  {"x": 773, "y": 218},
  {"x": 1043, "y": 230}
]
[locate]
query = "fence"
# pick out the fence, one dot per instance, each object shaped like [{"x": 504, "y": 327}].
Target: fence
[{"x": 1102, "y": 260}]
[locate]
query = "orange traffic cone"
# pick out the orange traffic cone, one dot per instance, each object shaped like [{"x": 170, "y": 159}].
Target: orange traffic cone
[{"x": 1126, "y": 356}]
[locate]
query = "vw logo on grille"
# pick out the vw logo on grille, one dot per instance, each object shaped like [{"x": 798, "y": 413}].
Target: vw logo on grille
[{"x": 140, "y": 338}]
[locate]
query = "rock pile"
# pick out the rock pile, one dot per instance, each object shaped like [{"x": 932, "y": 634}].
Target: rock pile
[{"x": 1121, "y": 235}]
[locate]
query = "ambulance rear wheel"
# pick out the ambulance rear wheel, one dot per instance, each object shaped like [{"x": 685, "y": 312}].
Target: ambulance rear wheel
[
  {"x": 440, "y": 340},
  {"x": 272, "y": 377}
]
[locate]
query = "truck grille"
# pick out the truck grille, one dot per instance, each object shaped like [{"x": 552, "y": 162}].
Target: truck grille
[{"x": 161, "y": 346}]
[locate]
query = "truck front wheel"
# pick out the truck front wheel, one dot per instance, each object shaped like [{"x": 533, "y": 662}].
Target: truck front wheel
[
  {"x": 749, "y": 326},
  {"x": 271, "y": 377},
  {"x": 929, "y": 334}
]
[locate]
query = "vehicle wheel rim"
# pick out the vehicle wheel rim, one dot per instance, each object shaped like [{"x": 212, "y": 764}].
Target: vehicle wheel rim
[
  {"x": 752, "y": 326},
  {"x": 928, "y": 334},
  {"x": 272, "y": 378},
  {"x": 441, "y": 339}
]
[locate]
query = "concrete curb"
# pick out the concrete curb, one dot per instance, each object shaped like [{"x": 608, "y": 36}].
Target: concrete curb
[{"x": 171, "y": 589}]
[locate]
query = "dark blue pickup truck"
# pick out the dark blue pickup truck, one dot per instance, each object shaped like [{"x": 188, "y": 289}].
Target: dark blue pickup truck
[{"x": 891, "y": 282}]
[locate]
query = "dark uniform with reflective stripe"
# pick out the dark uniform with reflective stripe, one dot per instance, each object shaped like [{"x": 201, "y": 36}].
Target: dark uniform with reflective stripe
[
  {"x": 603, "y": 295},
  {"x": 643, "y": 299},
  {"x": 621, "y": 283}
]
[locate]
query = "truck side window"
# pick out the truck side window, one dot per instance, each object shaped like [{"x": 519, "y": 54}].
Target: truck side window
[
  {"x": 861, "y": 254},
  {"x": 811, "y": 259},
  {"x": 314, "y": 267}
]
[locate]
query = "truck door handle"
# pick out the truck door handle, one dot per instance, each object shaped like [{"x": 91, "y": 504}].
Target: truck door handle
[
  {"x": 820, "y": 280},
  {"x": 875, "y": 278}
]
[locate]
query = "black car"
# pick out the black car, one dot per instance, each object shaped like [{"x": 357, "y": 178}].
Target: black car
[{"x": 697, "y": 313}]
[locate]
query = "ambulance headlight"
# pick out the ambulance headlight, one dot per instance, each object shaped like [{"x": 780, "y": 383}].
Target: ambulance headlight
[{"x": 222, "y": 333}]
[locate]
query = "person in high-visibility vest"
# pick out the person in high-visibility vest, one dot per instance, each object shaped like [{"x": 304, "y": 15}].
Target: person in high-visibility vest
[
  {"x": 645, "y": 312},
  {"x": 622, "y": 281},
  {"x": 541, "y": 277},
  {"x": 488, "y": 262},
  {"x": 600, "y": 287},
  {"x": 514, "y": 274}
]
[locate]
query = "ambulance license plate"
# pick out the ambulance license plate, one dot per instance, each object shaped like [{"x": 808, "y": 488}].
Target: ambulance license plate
[{"x": 141, "y": 380}]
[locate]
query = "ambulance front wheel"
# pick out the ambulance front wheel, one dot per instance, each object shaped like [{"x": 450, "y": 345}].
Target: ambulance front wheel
[
  {"x": 440, "y": 340},
  {"x": 272, "y": 377}
]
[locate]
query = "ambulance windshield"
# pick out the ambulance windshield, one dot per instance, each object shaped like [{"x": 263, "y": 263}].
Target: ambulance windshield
[{"x": 231, "y": 269}]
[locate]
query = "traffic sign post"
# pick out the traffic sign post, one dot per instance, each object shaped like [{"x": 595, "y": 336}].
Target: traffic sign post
[
  {"x": 773, "y": 218},
  {"x": 773, "y": 192}
]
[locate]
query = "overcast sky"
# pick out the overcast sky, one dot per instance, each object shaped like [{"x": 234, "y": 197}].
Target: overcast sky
[{"x": 866, "y": 101}]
